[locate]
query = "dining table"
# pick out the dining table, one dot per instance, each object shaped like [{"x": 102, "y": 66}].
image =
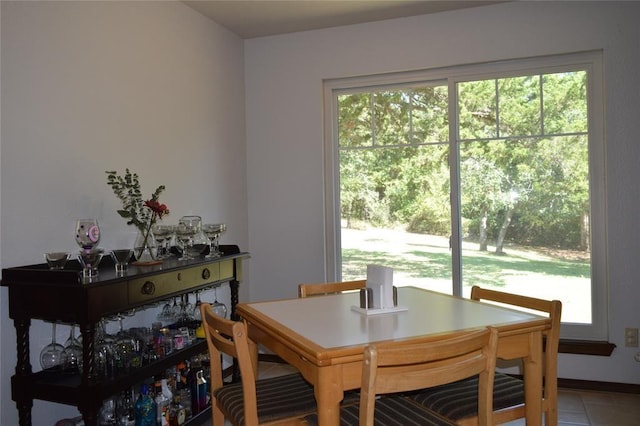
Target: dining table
[{"x": 324, "y": 337}]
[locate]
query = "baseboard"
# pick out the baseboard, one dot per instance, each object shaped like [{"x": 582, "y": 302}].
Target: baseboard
[{"x": 598, "y": 386}]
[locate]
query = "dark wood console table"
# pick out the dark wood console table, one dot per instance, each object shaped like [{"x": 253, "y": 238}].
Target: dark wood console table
[{"x": 35, "y": 292}]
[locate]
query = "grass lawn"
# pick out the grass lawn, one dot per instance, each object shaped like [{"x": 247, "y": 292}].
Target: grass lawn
[{"x": 425, "y": 261}]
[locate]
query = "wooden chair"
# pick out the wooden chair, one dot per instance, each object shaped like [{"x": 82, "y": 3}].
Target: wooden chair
[
  {"x": 389, "y": 370},
  {"x": 456, "y": 401},
  {"x": 306, "y": 290},
  {"x": 279, "y": 400}
]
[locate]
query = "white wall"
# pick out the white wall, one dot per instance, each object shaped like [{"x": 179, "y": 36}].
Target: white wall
[
  {"x": 95, "y": 86},
  {"x": 284, "y": 76}
]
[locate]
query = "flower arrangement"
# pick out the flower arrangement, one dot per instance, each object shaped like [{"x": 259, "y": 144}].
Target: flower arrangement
[{"x": 142, "y": 214}]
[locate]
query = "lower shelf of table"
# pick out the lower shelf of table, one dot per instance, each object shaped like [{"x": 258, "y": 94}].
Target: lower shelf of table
[{"x": 66, "y": 388}]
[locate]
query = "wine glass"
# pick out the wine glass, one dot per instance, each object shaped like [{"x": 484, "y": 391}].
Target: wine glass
[
  {"x": 73, "y": 352},
  {"x": 186, "y": 311},
  {"x": 52, "y": 355},
  {"x": 165, "y": 313},
  {"x": 195, "y": 312},
  {"x": 218, "y": 308},
  {"x": 87, "y": 233},
  {"x": 104, "y": 353},
  {"x": 175, "y": 310},
  {"x": 125, "y": 353}
]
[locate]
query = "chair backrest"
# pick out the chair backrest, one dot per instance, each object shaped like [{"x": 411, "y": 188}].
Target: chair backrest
[
  {"x": 400, "y": 368},
  {"x": 553, "y": 308},
  {"x": 306, "y": 290},
  {"x": 230, "y": 337}
]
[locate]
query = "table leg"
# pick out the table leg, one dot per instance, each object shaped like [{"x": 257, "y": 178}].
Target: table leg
[
  {"x": 533, "y": 380},
  {"x": 329, "y": 393},
  {"x": 20, "y": 382}
]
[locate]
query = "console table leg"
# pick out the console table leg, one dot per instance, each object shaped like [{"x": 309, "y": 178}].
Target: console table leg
[
  {"x": 24, "y": 413},
  {"x": 20, "y": 390},
  {"x": 88, "y": 353}
]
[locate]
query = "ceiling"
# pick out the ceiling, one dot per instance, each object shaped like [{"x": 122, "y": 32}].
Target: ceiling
[{"x": 259, "y": 18}]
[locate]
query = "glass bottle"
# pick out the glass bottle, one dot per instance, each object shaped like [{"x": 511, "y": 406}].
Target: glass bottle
[
  {"x": 125, "y": 409},
  {"x": 177, "y": 412},
  {"x": 145, "y": 408},
  {"x": 162, "y": 402}
]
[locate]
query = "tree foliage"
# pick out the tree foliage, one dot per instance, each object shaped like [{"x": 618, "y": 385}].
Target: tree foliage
[{"x": 523, "y": 159}]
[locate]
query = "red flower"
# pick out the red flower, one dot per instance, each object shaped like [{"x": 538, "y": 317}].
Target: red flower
[{"x": 157, "y": 208}]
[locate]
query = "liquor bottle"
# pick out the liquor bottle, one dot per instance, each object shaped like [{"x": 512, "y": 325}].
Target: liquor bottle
[
  {"x": 177, "y": 412},
  {"x": 145, "y": 408},
  {"x": 125, "y": 409},
  {"x": 162, "y": 401}
]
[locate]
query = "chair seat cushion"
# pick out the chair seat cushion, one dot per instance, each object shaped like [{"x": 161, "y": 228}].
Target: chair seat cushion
[
  {"x": 459, "y": 400},
  {"x": 278, "y": 397},
  {"x": 390, "y": 411}
]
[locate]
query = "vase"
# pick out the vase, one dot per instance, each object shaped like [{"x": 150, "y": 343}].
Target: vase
[{"x": 145, "y": 249}]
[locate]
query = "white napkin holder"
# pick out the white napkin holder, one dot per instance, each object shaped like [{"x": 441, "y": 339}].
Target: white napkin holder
[{"x": 380, "y": 284}]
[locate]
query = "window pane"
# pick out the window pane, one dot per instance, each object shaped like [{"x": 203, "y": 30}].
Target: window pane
[
  {"x": 395, "y": 211},
  {"x": 430, "y": 120},
  {"x": 525, "y": 213},
  {"x": 519, "y": 106},
  {"x": 392, "y": 118},
  {"x": 355, "y": 120},
  {"x": 477, "y": 109},
  {"x": 565, "y": 110}
]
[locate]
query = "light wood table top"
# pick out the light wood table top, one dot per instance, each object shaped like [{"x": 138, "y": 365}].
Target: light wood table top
[{"x": 325, "y": 339}]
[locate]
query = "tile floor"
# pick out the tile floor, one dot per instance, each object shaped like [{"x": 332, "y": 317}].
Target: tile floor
[{"x": 575, "y": 407}]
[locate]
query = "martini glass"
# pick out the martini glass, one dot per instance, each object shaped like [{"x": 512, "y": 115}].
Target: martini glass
[
  {"x": 162, "y": 233},
  {"x": 184, "y": 233},
  {"x": 213, "y": 231}
]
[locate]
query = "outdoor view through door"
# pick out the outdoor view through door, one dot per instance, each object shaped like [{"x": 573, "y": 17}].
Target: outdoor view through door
[{"x": 471, "y": 181}]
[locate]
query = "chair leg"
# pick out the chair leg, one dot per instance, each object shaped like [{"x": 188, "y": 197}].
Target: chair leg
[{"x": 217, "y": 417}]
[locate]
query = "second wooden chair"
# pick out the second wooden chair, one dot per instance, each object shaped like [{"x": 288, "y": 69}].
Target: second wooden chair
[
  {"x": 279, "y": 400},
  {"x": 457, "y": 401},
  {"x": 392, "y": 369},
  {"x": 316, "y": 289}
]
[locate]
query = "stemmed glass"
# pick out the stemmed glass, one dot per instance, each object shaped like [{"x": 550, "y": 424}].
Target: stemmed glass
[
  {"x": 87, "y": 233},
  {"x": 213, "y": 232},
  {"x": 52, "y": 355},
  {"x": 165, "y": 313},
  {"x": 185, "y": 232},
  {"x": 195, "y": 312},
  {"x": 73, "y": 352},
  {"x": 218, "y": 308},
  {"x": 186, "y": 311},
  {"x": 104, "y": 353},
  {"x": 162, "y": 233},
  {"x": 175, "y": 310},
  {"x": 125, "y": 349}
]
